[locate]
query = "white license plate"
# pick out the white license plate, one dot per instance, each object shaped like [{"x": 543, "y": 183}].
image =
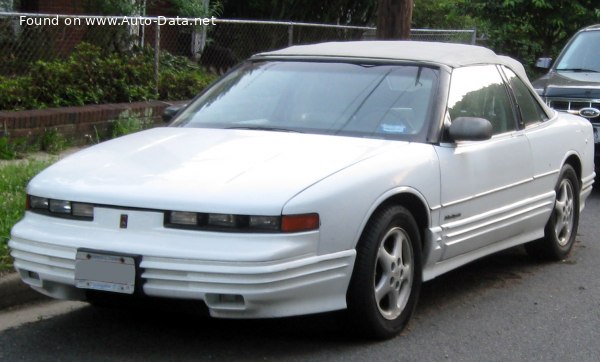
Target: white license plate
[
  {"x": 106, "y": 272},
  {"x": 596, "y": 134}
]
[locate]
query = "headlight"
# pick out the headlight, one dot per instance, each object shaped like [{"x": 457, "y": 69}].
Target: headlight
[
  {"x": 265, "y": 222},
  {"x": 183, "y": 218},
  {"x": 241, "y": 223},
  {"x": 60, "y": 208},
  {"x": 227, "y": 220}
]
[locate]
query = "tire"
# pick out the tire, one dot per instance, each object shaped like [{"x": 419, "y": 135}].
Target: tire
[
  {"x": 387, "y": 275},
  {"x": 561, "y": 229}
]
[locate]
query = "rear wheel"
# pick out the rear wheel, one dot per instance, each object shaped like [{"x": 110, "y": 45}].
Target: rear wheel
[
  {"x": 561, "y": 229},
  {"x": 387, "y": 274}
]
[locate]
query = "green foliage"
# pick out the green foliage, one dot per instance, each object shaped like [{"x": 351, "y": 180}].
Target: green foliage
[
  {"x": 126, "y": 124},
  {"x": 441, "y": 14},
  {"x": 52, "y": 141},
  {"x": 112, "y": 38},
  {"x": 7, "y": 151},
  {"x": 14, "y": 148},
  {"x": 198, "y": 8},
  {"x": 183, "y": 85},
  {"x": 114, "y": 7},
  {"x": 528, "y": 29},
  {"x": 89, "y": 77},
  {"x": 13, "y": 179},
  {"x": 180, "y": 78},
  {"x": 15, "y": 93},
  {"x": 344, "y": 12}
]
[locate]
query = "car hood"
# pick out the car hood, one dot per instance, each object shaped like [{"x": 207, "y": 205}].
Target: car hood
[
  {"x": 204, "y": 170},
  {"x": 569, "y": 84}
]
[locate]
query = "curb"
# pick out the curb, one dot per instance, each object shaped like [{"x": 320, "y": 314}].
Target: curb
[{"x": 13, "y": 292}]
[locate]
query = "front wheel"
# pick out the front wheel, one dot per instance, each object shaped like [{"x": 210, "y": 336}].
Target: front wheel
[
  {"x": 387, "y": 274},
  {"x": 561, "y": 228}
]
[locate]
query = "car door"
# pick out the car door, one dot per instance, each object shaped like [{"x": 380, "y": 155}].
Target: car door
[
  {"x": 547, "y": 153},
  {"x": 485, "y": 185}
]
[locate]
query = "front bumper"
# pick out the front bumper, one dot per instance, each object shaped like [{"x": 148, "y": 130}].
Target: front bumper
[{"x": 236, "y": 275}]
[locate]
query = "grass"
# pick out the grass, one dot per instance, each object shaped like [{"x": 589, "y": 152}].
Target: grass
[
  {"x": 14, "y": 177},
  {"x": 51, "y": 141}
]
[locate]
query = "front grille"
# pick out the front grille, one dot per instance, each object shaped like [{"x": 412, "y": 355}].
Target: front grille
[{"x": 573, "y": 106}]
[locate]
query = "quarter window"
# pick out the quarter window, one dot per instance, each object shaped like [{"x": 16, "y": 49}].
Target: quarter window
[
  {"x": 479, "y": 91},
  {"x": 531, "y": 111}
]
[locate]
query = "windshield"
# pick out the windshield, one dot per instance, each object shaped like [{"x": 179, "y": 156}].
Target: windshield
[
  {"x": 384, "y": 101},
  {"x": 582, "y": 55}
]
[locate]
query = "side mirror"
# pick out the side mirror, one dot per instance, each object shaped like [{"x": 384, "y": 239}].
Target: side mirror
[
  {"x": 171, "y": 111},
  {"x": 544, "y": 63},
  {"x": 470, "y": 129}
]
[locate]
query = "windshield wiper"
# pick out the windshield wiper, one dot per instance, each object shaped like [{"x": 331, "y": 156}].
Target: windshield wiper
[
  {"x": 577, "y": 70},
  {"x": 263, "y": 128}
]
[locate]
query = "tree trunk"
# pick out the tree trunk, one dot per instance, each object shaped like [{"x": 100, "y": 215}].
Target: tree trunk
[{"x": 393, "y": 19}]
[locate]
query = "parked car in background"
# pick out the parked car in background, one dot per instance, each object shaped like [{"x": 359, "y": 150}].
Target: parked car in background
[
  {"x": 572, "y": 83},
  {"x": 334, "y": 176}
]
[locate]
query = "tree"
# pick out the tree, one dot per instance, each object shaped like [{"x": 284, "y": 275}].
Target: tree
[
  {"x": 394, "y": 19},
  {"x": 198, "y": 8},
  {"x": 441, "y": 14},
  {"x": 527, "y": 29},
  {"x": 343, "y": 12}
]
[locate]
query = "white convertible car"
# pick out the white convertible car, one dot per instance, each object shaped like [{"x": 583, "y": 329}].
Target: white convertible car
[{"x": 316, "y": 178}]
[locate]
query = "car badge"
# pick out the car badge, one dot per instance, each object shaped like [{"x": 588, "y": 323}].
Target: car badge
[
  {"x": 123, "y": 222},
  {"x": 589, "y": 112}
]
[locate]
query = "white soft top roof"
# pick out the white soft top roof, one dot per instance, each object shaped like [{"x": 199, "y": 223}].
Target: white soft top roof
[
  {"x": 453, "y": 55},
  {"x": 450, "y": 54}
]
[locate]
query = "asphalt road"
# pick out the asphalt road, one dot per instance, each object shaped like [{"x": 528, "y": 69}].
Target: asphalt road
[{"x": 503, "y": 308}]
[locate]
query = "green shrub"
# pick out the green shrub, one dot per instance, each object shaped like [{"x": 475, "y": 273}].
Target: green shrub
[
  {"x": 126, "y": 124},
  {"x": 89, "y": 77},
  {"x": 15, "y": 94},
  {"x": 11, "y": 149},
  {"x": 7, "y": 151},
  {"x": 183, "y": 85},
  {"x": 52, "y": 141}
]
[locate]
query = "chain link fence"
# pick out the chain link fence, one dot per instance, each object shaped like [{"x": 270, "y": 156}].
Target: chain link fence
[{"x": 217, "y": 44}]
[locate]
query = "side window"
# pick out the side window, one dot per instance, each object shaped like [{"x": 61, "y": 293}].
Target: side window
[
  {"x": 479, "y": 91},
  {"x": 531, "y": 111}
]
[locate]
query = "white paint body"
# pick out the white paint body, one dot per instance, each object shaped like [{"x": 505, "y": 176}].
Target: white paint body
[{"x": 480, "y": 197}]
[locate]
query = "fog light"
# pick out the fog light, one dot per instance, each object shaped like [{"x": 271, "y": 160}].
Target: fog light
[
  {"x": 231, "y": 299},
  {"x": 225, "y": 301}
]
